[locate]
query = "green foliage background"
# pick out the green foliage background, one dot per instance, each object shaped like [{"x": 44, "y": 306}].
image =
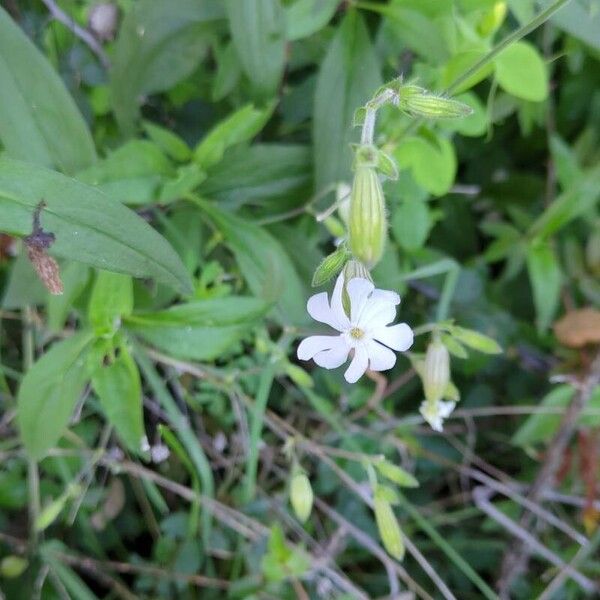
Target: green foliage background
[{"x": 153, "y": 415}]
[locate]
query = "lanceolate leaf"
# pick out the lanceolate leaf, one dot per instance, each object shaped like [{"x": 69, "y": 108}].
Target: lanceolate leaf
[
  {"x": 116, "y": 381},
  {"x": 88, "y": 226},
  {"x": 258, "y": 32},
  {"x": 545, "y": 276},
  {"x": 39, "y": 120},
  {"x": 159, "y": 44},
  {"x": 264, "y": 264},
  {"x": 49, "y": 392},
  {"x": 348, "y": 76},
  {"x": 201, "y": 330}
]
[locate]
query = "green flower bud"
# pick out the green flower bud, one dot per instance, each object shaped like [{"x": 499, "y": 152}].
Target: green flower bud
[
  {"x": 12, "y": 566},
  {"x": 387, "y": 525},
  {"x": 331, "y": 266},
  {"x": 417, "y": 101},
  {"x": 367, "y": 226},
  {"x": 436, "y": 372},
  {"x": 396, "y": 474},
  {"x": 492, "y": 19},
  {"x": 301, "y": 495}
]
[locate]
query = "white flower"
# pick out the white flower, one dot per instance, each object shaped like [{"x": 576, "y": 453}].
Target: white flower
[
  {"x": 366, "y": 331},
  {"x": 435, "y": 412}
]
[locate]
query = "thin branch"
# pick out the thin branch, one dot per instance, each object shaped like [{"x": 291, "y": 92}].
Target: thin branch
[{"x": 83, "y": 34}]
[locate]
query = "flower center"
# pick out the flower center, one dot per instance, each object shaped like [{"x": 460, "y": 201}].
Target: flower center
[{"x": 357, "y": 333}]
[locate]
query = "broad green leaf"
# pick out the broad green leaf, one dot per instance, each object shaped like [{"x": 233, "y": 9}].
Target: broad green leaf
[
  {"x": 432, "y": 162},
  {"x": 75, "y": 277},
  {"x": 546, "y": 278},
  {"x": 472, "y": 125},
  {"x": 572, "y": 203},
  {"x": 277, "y": 174},
  {"x": 520, "y": 71},
  {"x": 116, "y": 382},
  {"x": 459, "y": 65},
  {"x": 415, "y": 31},
  {"x": 39, "y": 121},
  {"x": 411, "y": 223},
  {"x": 258, "y": 32},
  {"x": 110, "y": 300},
  {"x": 305, "y": 17},
  {"x": 238, "y": 127},
  {"x": 89, "y": 226},
  {"x": 23, "y": 287},
  {"x": 541, "y": 427},
  {"x": 228, "y": 71},
  {"x": 49, "y": 391},
  {"x": 348, "y": 76},
  {"x": 157, "y": 47},
  {"x": 264, "y": 264},
  {"x": 132, "y": 173},
  {"x": 200, "y": 330}
]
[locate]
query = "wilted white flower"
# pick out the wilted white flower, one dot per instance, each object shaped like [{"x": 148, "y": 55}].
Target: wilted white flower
[
  {"x": 435, "y": 412},
  {"x": 365, "y": 330}
]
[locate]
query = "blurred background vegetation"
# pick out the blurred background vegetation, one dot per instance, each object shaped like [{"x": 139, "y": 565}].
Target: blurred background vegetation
[{"x": 154, "y": 420}]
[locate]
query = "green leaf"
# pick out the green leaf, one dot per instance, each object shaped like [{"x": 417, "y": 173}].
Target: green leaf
[
  {"x": 305, "y": 17},
  {"x": 520, "y": 71},
  {"x": 411, "y": 223},
  {"x": 395, "y": 473},
  {"x": 228, "y": 71},
  {"x": 414, "y": 30},
  {"x": 75, "y": 277},
  {"x": 348, "y": 77},
  {"x": 265, "y": 173},
  {"x": 546, "y": 279},
  {"x": 574, "y": 202},
  {"x": 111, "y": 299},
  {"x": 264, "y": 264},
  {"x": 581, "y": 20},
  {"x": 432, "y": 162},
  {"x": 238, "y": 127},
  {"x": 157, "y": 47},
  {"x": 116, "y": 382},
  {"x": 461, "y": 63},
  {"x": 168, "y": 141},
  {"x": 39, "y": 121},
  {"x": 541, "y": 427},
  {"x": 49, "y": 391},
  {"x": 258, "y": 32},
  {"x": 132, "y": 173},
  {"x": 89, "y": 227},
  {"x": 474, "y": 339},
  {"x": 200, "y": 330}
]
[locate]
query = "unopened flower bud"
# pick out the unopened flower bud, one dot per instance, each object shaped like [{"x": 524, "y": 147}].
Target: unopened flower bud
[
  {"x": 436, "y": 371},
  {"x": 367, "y": 223},
  {"x": 419, "y": 102},
  {"x": 330, "y": 266},
  {"x": 492, "y": 19},
  {"x": 102, "y": 20},
  {"x": 13, "y": 566},
  {"x": 301, "y": 495},
  {"x": 389, "y": 530}
]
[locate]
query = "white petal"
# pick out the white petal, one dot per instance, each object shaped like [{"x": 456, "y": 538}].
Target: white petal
[
  {"x": 359, "y": 290},
  {"x": 386, "y": 296},
  {"x": 319, "y": 309},
  {"x": 358, "y": 366},
  {"x": 316, "y": 343},
  {"x": 398, "y": 337},
  {"x": 446, "y": 408},
  {"x": 336, "y": 304},
  {"x": 376, "y": 315},
  {"x": 333, "y": 358},
  {"x": 380, "y": 357}
]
